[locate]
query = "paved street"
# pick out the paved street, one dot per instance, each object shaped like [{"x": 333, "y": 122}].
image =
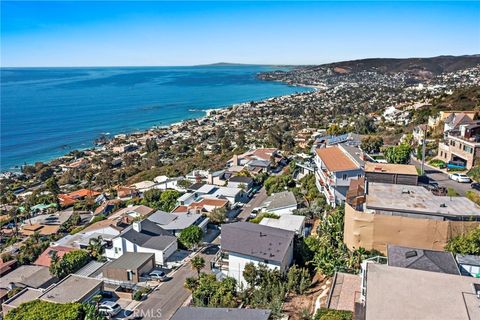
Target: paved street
[
  {"x": 170, "y": 295},
  {"x": 442, "y": 179}
]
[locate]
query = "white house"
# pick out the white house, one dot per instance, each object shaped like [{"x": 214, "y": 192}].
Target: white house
[
  {"x": 245, "y": 242},
  {"x": 144, "y": 236},
  {"x": 106, "y": 229},
  {"x": 176, "y": 222},
  {"x": 336, "y": 167},
  {"x": 164, "y": 183},
  {"x": 144, "y": 185},
  {"x": 280, "y": 203},
  {"x": 211, "y": 191}
]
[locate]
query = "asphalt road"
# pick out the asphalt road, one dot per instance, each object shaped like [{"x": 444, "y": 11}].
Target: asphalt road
[
  {"x": 162, "y": 303},
  {"x": 442, "y": 179}
]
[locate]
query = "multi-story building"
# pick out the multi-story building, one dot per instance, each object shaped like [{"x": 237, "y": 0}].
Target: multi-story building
[
  {"x": 336, "y": 167},
  {"x": 382, "y": 214},
  {"x": 462, "y": 145}
]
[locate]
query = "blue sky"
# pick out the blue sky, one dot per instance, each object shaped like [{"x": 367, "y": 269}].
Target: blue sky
[{"x": 112, "y": 33}]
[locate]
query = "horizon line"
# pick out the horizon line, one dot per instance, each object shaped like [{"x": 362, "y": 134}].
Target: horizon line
[{"x": 219, "y": 64}]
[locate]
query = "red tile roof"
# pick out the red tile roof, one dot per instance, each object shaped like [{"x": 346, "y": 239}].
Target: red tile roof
[
  {"x": 69, "y": 199},
  {"x": 45, "y": 258}
]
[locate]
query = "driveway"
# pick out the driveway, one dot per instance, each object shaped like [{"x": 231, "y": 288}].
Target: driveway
[
  {"x": 255, "y": 202},
  {"x": 162, "y": 303}
]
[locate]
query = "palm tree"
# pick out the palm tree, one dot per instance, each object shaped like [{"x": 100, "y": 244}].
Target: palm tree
[
  {"x": 95, "y": 247},
  {"x": 198, "y": 263}
]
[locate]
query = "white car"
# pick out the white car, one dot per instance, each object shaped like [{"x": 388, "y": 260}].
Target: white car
[
  {"x": 460, "y": 177},
  {"x": 110, "y": 308}
]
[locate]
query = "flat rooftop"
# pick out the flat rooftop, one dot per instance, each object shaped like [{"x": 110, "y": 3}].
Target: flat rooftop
[
  {"x": 286, "y": 222},
  {"x": 400, "y": 293},
  {"x": 26, "y": 295},
  {"x": 391, "y": 168},
  {"x": 130, "y": 260},
  {"x": 71, "y": 289},
  {"x": 345, "y": 292},
  {"x": 335, "y": 159},
  {"x": 416, "y": 199}
]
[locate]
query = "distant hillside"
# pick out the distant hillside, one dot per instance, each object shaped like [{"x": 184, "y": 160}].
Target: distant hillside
[
  {"x": 425, "y": 67},
  {"x": 461, "y": 99}
]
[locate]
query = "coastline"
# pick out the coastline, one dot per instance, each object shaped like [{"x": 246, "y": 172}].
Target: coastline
[{"x": 207, "y": 114}]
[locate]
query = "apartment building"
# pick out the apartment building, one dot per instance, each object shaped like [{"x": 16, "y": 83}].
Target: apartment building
[
  {"x": 336, "y": 167},
  {"x": 461, "y": 146}
]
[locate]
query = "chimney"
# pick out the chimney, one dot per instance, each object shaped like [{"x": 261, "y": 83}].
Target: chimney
[
  {"x": 137, "y": 226},
  {"x": 235, "y": 160}
]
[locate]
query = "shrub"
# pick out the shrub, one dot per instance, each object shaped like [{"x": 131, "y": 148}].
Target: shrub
[
  {"x": 42, "y": 310},
  {"x": 437, "y": 163},
  {"x": 474, "y": 173},
  {"x": 468, "y": 243},
  {"x": 474, "y": 196},
  {"x": 330, "y": 314},
  {"x": 260, "y": 216}
]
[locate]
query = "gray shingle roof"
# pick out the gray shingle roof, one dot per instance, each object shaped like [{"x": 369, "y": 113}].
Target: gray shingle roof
[
  {"x": 151, "y": 236},
  {"x": 281, "y": 200},
  {"x": 28, "y": 275},
  {"x": 171, "y": 221},
  {"x": 256, "y": 240},
  {"x": 241, "y": 179},
  {"x": 421, "y": 259},
  {"x": 191, "y": 313}
]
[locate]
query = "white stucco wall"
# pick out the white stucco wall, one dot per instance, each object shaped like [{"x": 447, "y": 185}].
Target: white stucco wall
[
  {"x": 122, "y": 245},
  {"x": 283, "y": 211},
  {"x": 237, "y": 262}
]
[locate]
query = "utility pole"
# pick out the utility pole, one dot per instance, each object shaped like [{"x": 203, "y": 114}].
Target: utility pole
[{"x": 423, "y": 150}]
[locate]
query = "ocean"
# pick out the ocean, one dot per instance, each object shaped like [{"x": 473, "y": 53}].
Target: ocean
[{"x": 47, "y": 112}]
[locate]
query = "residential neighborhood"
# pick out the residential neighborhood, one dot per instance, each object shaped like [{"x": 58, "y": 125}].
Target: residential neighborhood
[{"x": 310, "y": 217}]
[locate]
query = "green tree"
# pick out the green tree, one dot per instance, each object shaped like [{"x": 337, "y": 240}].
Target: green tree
[
  {"x": 218, "y": 215},
  {"x": 398, "y": 154},
  {"x": 190, "y": 237},
  {"x": 468, "y": 243},
  {"x": 279, "y": 183},
  {"x": 52, "y": 185},
  {"x": 207, "y": 291},
  {"x": 95, "y": 248},
  {"x": 169, "y": 199},
  {"x": 198, "y": 263},
  {"x": 298, "y": 279},
  {"x": 70, "y": 263},
  {"x": 371, "y": 144},
  {"x": 250, "y": 274}
]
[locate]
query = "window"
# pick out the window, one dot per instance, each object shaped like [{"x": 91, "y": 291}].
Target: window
[{"x": 344, "y": 177}]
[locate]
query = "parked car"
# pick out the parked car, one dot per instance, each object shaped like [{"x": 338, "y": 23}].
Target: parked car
[
  {"x": 475, "y": 185},
  {"x": 109, "y": 308},
  {"x": 459, "y": 177},
  {"x": 455, "y": 165},
  {"x": 158, "y": 275}
]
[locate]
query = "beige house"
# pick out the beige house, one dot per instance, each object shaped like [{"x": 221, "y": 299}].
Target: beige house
[
  {"x": 405, "y": 215},
  {"x": 461, "y": 145}
]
